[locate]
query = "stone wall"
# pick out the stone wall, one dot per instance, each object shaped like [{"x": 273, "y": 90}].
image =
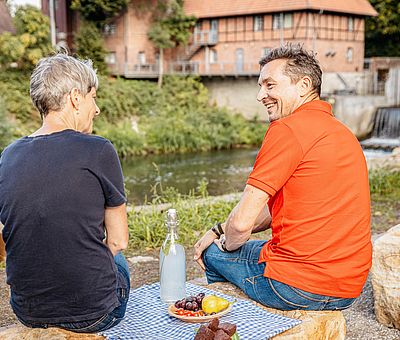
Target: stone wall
[
  {"x": 240, "y": 94},
  {"x": 358, "y": 112}
]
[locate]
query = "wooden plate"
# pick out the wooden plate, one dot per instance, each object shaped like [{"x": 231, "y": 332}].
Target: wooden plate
[{"x": 197, "y": 319}]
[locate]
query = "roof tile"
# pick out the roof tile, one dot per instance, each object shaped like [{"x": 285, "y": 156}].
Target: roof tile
[{"x": 221, "y": 8}]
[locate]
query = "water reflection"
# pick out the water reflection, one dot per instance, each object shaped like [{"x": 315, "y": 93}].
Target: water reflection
[{"x": 226, "y": 171}]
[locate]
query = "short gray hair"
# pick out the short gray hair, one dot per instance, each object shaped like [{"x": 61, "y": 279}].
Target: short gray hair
[
  {"x": 299, "y": 63},
  {"x": 55, "y": 76}
]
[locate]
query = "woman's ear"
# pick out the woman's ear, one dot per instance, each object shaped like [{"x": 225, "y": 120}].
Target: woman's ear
[{"x": 75, "y": 96}]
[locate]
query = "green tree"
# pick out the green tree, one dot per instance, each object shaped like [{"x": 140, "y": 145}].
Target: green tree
[
  {"x": 11, "y": 49},
  {"x": 99, "y": 10},
  {"x": 33, "y": 28},
  {"x": 32, "y": 41},
  {"x": 382, "y": 33},
  {"x": 171, "y": 27},
  {"x": 89, "y": 44}
]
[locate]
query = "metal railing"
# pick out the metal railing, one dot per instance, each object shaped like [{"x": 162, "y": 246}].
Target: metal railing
[
  {"x": 204, "y": 37},
  {"x": 186, "y": 68},
  {"x": 141, "y": 70}
]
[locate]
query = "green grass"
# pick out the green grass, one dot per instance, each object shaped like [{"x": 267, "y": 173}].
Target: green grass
[
  {"x": 385, "y": 199},
  {"x": 197, "y": 213},
  {"x": 385, "y": 184},
  {"x": 147, "y": 227}
]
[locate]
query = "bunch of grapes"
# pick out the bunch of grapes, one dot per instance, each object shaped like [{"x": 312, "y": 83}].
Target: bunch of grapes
[{"x": 192, "y": 303}]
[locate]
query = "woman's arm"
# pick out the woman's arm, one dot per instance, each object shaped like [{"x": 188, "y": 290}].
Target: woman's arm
[{"x": 116, "y": 224}]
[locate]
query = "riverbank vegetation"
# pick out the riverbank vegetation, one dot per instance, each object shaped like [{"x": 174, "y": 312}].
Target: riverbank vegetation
[
  {"x": 140, "y": 118},
  {"x": 198, "y": 212}
]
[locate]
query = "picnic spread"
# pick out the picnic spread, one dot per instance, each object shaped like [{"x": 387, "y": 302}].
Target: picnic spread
[{"x": 147, "y": 318}]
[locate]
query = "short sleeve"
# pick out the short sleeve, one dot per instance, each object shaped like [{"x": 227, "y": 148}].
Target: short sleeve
[
  {"x": 110, "y": 176},
  {"x": 278, "y": 158}
]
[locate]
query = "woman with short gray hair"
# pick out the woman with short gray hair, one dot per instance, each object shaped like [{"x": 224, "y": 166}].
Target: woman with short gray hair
[{"x": 63, "y": 208}]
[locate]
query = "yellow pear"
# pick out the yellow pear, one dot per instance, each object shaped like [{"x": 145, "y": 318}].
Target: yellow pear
[{"x": 213, "y": 304}]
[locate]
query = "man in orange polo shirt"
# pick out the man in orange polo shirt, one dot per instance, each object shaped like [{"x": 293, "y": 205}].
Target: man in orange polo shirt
[{"x": 310, "y": 185}]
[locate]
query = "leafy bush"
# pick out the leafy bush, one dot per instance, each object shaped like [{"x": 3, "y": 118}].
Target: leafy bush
[
  {"x": 177, "y": 118},
  {"x": 14, "y": 88},
  {"x": 6, "y": 127},
  {"x": 89, "y": 44},
  {"x": 32, "y": 41}
]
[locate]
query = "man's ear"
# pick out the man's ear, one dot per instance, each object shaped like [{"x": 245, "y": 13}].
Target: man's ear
[{"x": 305, "y": 86}]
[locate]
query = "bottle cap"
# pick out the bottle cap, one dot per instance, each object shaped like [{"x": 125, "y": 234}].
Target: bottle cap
[{"x": 172, "y": 217}]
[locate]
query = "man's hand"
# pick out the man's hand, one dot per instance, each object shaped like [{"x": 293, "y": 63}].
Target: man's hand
[{"x": 202, "y": 245}]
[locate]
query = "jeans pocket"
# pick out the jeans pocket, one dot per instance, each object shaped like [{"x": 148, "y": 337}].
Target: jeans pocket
[
  {"x": 313, "y": 298},
  {"x": 249, "y": 286},
  {"x": 285, "y": 294},
  {"x": 107, "y": 325}
]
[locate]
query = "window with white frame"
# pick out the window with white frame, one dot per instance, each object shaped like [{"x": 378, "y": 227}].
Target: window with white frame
[
  {"x": 111, "y": 58},
  {"x": 109, "y": 29},
  {"x": 282, "y": 20},
  {"x": 350, "y": 24},
  {"x": 258, "y": 23},
  {"x": 213, "y": 56},
  {"x": 349, "y": 55}
]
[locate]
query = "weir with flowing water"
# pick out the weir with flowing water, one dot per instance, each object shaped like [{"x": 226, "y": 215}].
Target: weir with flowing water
[{"x": 386, "y": 130}]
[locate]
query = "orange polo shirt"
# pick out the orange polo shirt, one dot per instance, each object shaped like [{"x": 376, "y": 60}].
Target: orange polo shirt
[{"x": 315, "y": 172}]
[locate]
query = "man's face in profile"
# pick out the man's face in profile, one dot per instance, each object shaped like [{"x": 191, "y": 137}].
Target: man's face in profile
[{"x": 277, "y": 91}]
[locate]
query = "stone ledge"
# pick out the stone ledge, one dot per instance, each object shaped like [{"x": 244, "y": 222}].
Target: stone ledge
[
  {"x": 20, "y": 332},
  {"x": 315, "y": 324}
]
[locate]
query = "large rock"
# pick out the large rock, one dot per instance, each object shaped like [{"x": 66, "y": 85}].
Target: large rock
[
  {"x": 390, "y": 162},
  {"x": 315, "y": 324},
  {"x": 19, "y": 332},
  {"x": 385, "y": 277}
]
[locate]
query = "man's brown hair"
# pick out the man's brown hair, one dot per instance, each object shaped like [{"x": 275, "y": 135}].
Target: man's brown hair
[{"x": 299, "y": 63}]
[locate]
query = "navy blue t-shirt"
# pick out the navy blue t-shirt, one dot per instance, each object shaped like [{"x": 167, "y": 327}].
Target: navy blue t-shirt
[{"x": 53, "y": 193}]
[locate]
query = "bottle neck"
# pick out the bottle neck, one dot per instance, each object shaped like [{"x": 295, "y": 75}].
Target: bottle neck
[{"x": 172, "y": 233}]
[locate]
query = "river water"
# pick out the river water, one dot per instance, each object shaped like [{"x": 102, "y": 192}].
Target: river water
[{"x": 226, "y": 171}]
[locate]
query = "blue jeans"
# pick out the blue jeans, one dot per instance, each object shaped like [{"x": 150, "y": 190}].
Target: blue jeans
[
  {"x": 242, "y": 269},
  {"x": 104, "y": 322}
]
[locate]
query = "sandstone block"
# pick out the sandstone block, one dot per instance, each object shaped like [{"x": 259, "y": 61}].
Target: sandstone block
[
  {"x": 20, "y": 332},
  {"x": 385, "y": 277}
]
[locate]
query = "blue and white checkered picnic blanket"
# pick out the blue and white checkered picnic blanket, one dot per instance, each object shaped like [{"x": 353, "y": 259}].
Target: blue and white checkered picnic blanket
[{"x": 147, "y": 318}]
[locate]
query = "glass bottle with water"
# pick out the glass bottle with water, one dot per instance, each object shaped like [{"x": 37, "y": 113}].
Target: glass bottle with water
[{"x": 172, "y": 263}]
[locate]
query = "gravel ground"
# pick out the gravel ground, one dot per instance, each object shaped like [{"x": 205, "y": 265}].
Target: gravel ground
[{"x": 360, "y": 318}]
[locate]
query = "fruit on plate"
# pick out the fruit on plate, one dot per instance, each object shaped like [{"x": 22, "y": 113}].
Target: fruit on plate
[
  {"x": 213, "y": 304},
  {"x": 217, "y": 331},
  {"x": 191, "y": 303}
]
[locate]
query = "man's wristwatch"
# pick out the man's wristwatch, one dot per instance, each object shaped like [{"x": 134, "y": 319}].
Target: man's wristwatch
[
  {"x": 222, "y": 242},
  {"x": 217, "y": 229}
]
